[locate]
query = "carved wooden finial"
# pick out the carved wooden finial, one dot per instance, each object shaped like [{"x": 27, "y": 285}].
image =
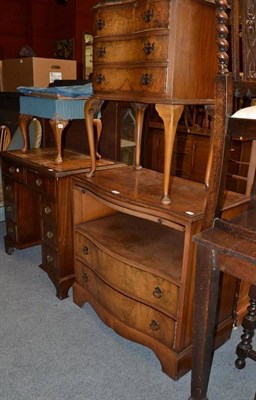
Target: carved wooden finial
[{"x": 222, "y": 36}]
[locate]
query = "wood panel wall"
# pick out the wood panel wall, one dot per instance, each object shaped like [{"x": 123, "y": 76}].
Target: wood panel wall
[{"x": 38, "y": 23}]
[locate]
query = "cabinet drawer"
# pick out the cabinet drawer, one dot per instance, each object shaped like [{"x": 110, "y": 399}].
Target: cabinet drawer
[
  {"x": 10, "y": 210},
  {"x": 41, "y": 183},
  {"x": 8, "y": 188},
  {"x": 48, "y": 210},
  {"x": 50, "y": 259},
  {"x": 49, "y": 234},
  {"x": 142, "y": 49},
  {"x": 124, "y": 80},
  {"x": 11, "y": 230},
  {"x": 133, "y": 281},
  {"x": 136, "y": 16},
  {"x": 132, "y": 313},
  {"x": 14, "y": 170}
]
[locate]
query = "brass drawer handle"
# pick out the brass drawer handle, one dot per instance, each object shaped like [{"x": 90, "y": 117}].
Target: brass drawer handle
[
  {"x": 9, "y": 209},
  {"x": 148, "y": 15},
  {"x": 85, "y": 250},
  {"x": 49, "y": 234},
  {"x": 149, "y": 48},
  {"x": 39, "y": 182},
  {"x": 158, "y": 292},
  {"x": 10, "y": 229},
  {"x": 8, "y": 188},
  {"x": 47, "y": 210},
  {"x": 100, "y": 78},
  {"x": 100, "y": 24},
  {"x": 101, "y": 51},
  {"x": 154, "y": 325},
  {"x": 146, "y": 79},
  {"x": 85, "y": 277},
  {"x": 49, "y": 258},
  {"x": 11, "y": 170}
]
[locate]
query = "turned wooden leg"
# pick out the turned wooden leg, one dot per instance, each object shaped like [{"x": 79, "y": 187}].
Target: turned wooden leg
[
  {"x": 170, "y": 115},
  {"x": 24, "y": 121},
  {"x": 205, "y": 306},
  {"x": 57, "y": 128},
  {"x": 140, "y": 111},
  {"x": 244, "y": 348},
  {"x": 91, "y": 108}
]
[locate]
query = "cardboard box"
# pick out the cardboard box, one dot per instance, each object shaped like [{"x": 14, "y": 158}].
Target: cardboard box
[{"x": 35, "y": 71}]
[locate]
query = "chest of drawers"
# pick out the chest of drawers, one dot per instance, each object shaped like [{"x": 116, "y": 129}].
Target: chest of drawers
[
  {"x": 161, "y": 52},
  {"x": 155, "y": 51},
  {"x": 135, "y": 259},
  {"x": 38, "y": 209}
]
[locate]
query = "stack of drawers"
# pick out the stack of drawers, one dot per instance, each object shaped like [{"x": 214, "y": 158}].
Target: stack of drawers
[
  {"x": 157, "y": 51},
  {"x": 21, "y": 208}
]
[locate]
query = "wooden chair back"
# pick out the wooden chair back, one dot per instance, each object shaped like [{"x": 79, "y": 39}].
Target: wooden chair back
[
  {"x": 5, "y": 137},
  {"x": 235, "y": 88}
]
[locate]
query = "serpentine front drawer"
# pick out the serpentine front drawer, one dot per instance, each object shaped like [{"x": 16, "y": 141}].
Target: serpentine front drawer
[
  {"x": 121, "y": 19},
  {"x": 140, "y": 317},
  {"x": 142, "y": 48}
]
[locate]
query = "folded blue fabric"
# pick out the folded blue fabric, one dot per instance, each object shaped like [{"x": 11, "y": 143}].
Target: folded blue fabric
[{"x": 76, "y": 91}]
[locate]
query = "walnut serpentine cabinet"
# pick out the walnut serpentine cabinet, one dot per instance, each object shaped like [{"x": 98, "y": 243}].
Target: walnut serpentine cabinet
[{"x": 135, "y": 259}]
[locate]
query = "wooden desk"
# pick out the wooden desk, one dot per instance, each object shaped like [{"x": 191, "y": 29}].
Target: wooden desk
[{"x": 38, "y": 209}]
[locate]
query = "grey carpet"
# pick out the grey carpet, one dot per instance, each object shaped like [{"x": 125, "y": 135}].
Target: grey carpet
[{"x": 54, "y": 350}]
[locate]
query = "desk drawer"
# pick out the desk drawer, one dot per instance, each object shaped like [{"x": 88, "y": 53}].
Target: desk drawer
[
  {"x": 50, "y": 259},
  {"x": 147, "y": 287},
  {"x": 48, "y": 210},
  {"x": 49, "y": 234},
  {"x": 8, "y": 188},
  {"x": 132, "y": 313},
  {"x": 10, "y": 210},
  {"x": 11, "y": 230},
  {"x": 14, "y": 170},
  {"x": 41, "y": 183}
]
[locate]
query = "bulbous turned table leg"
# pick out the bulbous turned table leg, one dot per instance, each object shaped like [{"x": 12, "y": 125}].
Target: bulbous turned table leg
[
  {"x": 57, "y": 128},
  {"x": 170, "y": 115},
  {"x": 24, "y": 121}
]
